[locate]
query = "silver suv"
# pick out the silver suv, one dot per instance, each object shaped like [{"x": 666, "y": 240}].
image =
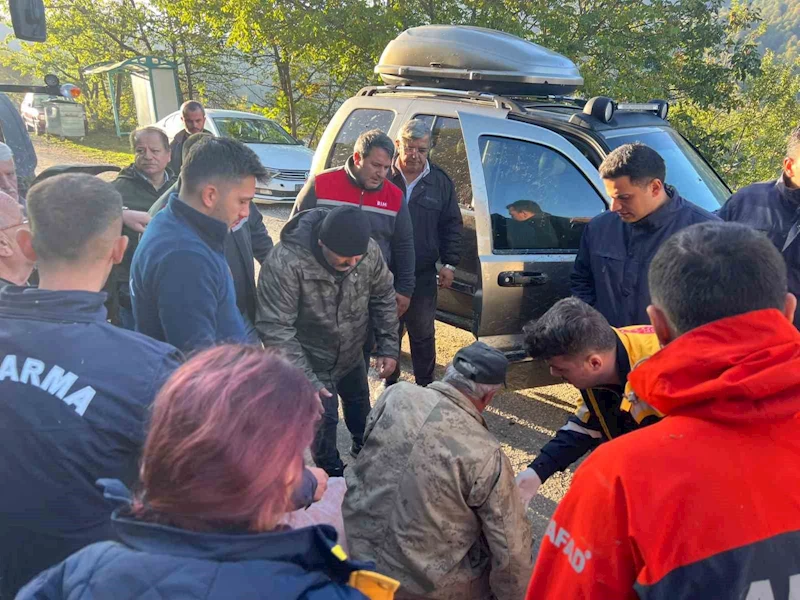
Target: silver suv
[{"x": 501, "y": 148}]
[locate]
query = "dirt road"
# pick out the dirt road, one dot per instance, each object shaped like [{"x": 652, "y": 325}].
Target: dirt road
[{"x": 522, "y": 419}]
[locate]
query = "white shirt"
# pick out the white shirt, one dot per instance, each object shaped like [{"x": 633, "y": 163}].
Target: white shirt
[{"x": 410, "y": 186}]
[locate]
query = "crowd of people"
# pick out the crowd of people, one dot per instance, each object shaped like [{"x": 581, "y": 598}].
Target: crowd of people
[{"x": 163, "y": 412}]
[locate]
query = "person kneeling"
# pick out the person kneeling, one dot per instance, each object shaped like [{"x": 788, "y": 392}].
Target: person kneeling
[{"x": 579, "y": 346}]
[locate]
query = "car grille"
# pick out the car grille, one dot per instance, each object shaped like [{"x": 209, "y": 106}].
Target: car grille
[{"x": 292, "y": 175}]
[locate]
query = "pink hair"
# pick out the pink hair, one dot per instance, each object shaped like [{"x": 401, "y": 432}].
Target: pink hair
[{"x": 226, "y": 440}]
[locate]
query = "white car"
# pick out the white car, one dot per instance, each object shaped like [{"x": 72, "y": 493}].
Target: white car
[{"x": 287, "y": 160}]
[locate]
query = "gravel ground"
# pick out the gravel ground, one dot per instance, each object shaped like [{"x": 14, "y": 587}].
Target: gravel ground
[{"x": 522, "y": 419}]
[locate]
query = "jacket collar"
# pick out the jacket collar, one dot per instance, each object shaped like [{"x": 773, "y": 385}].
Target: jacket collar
[
  {"x": 790, "y": 194},
  {"x": 349, "y": 168},
  {"x": 459, "y": 399},
  {"x": 741, "y": 369},
  {"x": 134, "y": 174},
  {"x": 664, "y": 214},
  {"x": 313, "y": 548},
  {"x": 62, "y": 306},
  {"x": 212, "y": 231}
]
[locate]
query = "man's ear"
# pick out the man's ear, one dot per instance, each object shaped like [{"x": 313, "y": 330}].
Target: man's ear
[
  {"x": 357, "y": 159},
  {"x": 595, "y": 361},
  {"x": 661, "y": 325},
  {"x": 656, "y": 186},
  {"x": 790, "y": 167},
  {"x": 209, "y": 195},
  {"x": 25, "y": 242},
  {"x": 790, "y": 307},
  {"x": 118, "y": 249}
]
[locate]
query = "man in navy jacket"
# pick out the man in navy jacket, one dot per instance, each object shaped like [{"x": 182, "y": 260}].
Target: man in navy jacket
[
  {"x": 773, "y": 207},
  {"x": 74, "y": 389},
  {"x": 617, "y": 246},
  {"x": 181, "y": 285}
]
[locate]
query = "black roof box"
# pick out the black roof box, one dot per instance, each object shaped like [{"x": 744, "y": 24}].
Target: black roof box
[{"x": 474, "y": 58}]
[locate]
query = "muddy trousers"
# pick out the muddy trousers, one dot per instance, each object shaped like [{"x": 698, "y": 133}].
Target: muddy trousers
[{"x": 353, "y": 388}]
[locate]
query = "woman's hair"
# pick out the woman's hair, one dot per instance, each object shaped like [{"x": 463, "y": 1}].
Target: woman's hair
[{"x": 226, "y": 439}]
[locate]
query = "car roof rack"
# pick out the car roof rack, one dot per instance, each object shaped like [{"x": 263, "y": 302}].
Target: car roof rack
[{"x": 499, "y": 101}]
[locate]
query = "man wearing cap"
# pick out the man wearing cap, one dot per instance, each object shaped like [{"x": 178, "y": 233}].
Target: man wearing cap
[
  {"x": 318, "y": 289},
  {"x": 431, "y": 498}
]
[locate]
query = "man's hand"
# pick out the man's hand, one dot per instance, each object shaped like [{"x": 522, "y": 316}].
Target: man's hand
[
  {"x": 402, "y": 304},
  {"x": 322, "y": 482},
  {"x": 528, "y": 483},
  {"x": 135, "y": 219},
  {"x": 446, "y": 277},
  {"x": 385, "y": 366}
]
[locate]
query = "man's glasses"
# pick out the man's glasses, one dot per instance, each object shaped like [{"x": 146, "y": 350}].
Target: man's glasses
[{"x": 20, "y": 224}]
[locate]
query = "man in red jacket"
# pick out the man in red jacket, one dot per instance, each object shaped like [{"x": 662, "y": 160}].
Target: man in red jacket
[{"x": 706, "y": 503}]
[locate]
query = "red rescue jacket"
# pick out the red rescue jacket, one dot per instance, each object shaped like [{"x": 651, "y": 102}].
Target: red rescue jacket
[{"x": 704, "y": 504}]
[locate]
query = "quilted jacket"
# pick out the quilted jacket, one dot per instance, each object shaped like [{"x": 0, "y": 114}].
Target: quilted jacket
[{"x": 159, "y": 562}]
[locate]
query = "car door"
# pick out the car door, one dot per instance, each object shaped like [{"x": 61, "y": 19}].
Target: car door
[{"x": 533, "y": 193}]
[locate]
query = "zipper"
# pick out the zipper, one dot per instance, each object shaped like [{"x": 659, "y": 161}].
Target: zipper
[{"x": 599, "y": 414}]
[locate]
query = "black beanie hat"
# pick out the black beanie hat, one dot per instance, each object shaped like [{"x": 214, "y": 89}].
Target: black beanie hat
[{"x": 345, "y": 231}]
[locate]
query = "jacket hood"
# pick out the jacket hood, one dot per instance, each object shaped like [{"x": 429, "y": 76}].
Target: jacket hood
[
  {"x": 739, "y": 370},
  {"x": 299, "y": 229}
]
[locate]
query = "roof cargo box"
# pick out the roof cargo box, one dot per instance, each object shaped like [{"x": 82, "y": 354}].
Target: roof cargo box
[{"x": 474, "y": 58}]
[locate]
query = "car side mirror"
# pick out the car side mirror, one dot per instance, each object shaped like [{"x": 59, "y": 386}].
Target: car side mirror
[{"x": 27, "y": 17}]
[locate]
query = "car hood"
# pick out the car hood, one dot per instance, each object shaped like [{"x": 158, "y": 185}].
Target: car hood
[{"x": 283, "y": 156}]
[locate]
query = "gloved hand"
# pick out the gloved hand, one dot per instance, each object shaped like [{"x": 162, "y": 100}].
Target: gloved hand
[{"x": 528, "y": 483}]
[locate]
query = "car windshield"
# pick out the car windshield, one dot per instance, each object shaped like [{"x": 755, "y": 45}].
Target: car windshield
[
  {"x": 686, "y": 170},
  {"x": 253, "y": 131}
]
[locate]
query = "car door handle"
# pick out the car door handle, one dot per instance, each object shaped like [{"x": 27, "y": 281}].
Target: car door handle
[{"x": 521, "y": 278}]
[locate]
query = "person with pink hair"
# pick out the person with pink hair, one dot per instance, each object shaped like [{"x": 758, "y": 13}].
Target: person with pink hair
[{"x": 223, "y": 456}]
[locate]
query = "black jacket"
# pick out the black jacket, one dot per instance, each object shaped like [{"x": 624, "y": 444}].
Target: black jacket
[
  {"x": 435, "y": 218},
  {"x": 774, "y": 209},
  {"x": 158, "y": 561},
  {"x": 176, "y": 151},
  {"x": 247, "y": 242},
  {"x": 610, "y": 271},
  {"x": 75, "y": 394}
]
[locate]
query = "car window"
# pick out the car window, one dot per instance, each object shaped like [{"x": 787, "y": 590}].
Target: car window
[
  {"x": 694, "y": 179},
  {"x": 253, "y": 131},
  {"x": 357, "y": 122},
  {"x": 538, "y": 199},
  {"x": 449, "y": 153}
]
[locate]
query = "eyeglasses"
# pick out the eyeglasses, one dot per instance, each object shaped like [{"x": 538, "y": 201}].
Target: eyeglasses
[
  {"x": 20, "y": 224},
  {"x": 412, "y": 150}
]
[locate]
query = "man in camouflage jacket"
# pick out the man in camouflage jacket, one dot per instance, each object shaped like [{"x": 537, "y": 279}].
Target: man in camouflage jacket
[
  {"x": 431, "y": 499},
  {"x": 317, "y": 290}
]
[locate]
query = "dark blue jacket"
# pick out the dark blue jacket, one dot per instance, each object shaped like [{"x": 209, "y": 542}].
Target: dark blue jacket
[
  {"x": 74, "y": 398},
  {"x": 774, "y": 209},
  {"x": 157, "y": 561},
  {"x": 181, "y": 286},
  {"x": 610, "y": 271}
]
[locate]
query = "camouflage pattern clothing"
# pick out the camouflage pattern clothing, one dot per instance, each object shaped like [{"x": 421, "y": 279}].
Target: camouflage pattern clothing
[
  {"x": 318, "y": 319},
  {"x": 431, "y": 499}
]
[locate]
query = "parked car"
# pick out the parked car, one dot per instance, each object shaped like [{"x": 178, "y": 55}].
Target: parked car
[
  {"x": 287, "y": 160},
  {"x": 505, "y": 129},
  {"x": 33, "y": 111}
]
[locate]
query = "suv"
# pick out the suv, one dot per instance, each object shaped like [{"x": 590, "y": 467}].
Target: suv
[{"x": 500, "y": 148}]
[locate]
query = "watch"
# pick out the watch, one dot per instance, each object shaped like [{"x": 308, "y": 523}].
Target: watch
[{"x": 451, "y": 267}]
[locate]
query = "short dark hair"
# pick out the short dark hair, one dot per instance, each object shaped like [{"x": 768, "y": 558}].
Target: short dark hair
[
  {"x": 191, "y": 141},
  {"x": 639, "y": 162},
  {"x": 527, "y": 205},
  {"x": 136, "y": 133},
  {"x": 374, "y": 138},
  {"x": 192, "y": 106},
  {"x": 570, "y": 328},
  {"x": 66, "y": 212},
  {"x": 715, "y": 270},
  {"x": 214, "y": 159}
]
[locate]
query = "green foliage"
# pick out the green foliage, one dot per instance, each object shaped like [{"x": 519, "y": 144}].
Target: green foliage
[{"x": 745, "y": 138}]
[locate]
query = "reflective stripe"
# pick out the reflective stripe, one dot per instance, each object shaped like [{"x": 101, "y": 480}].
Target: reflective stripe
[
  {"x": 364, "y": 207},
  {"x": 583, "y": 413},
  {"x": 572, "y": 426},
  {"x": 597, "y": 412}
]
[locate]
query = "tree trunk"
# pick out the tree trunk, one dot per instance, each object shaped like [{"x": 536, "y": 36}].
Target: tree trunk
[{"x": 285, "y": 78}]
